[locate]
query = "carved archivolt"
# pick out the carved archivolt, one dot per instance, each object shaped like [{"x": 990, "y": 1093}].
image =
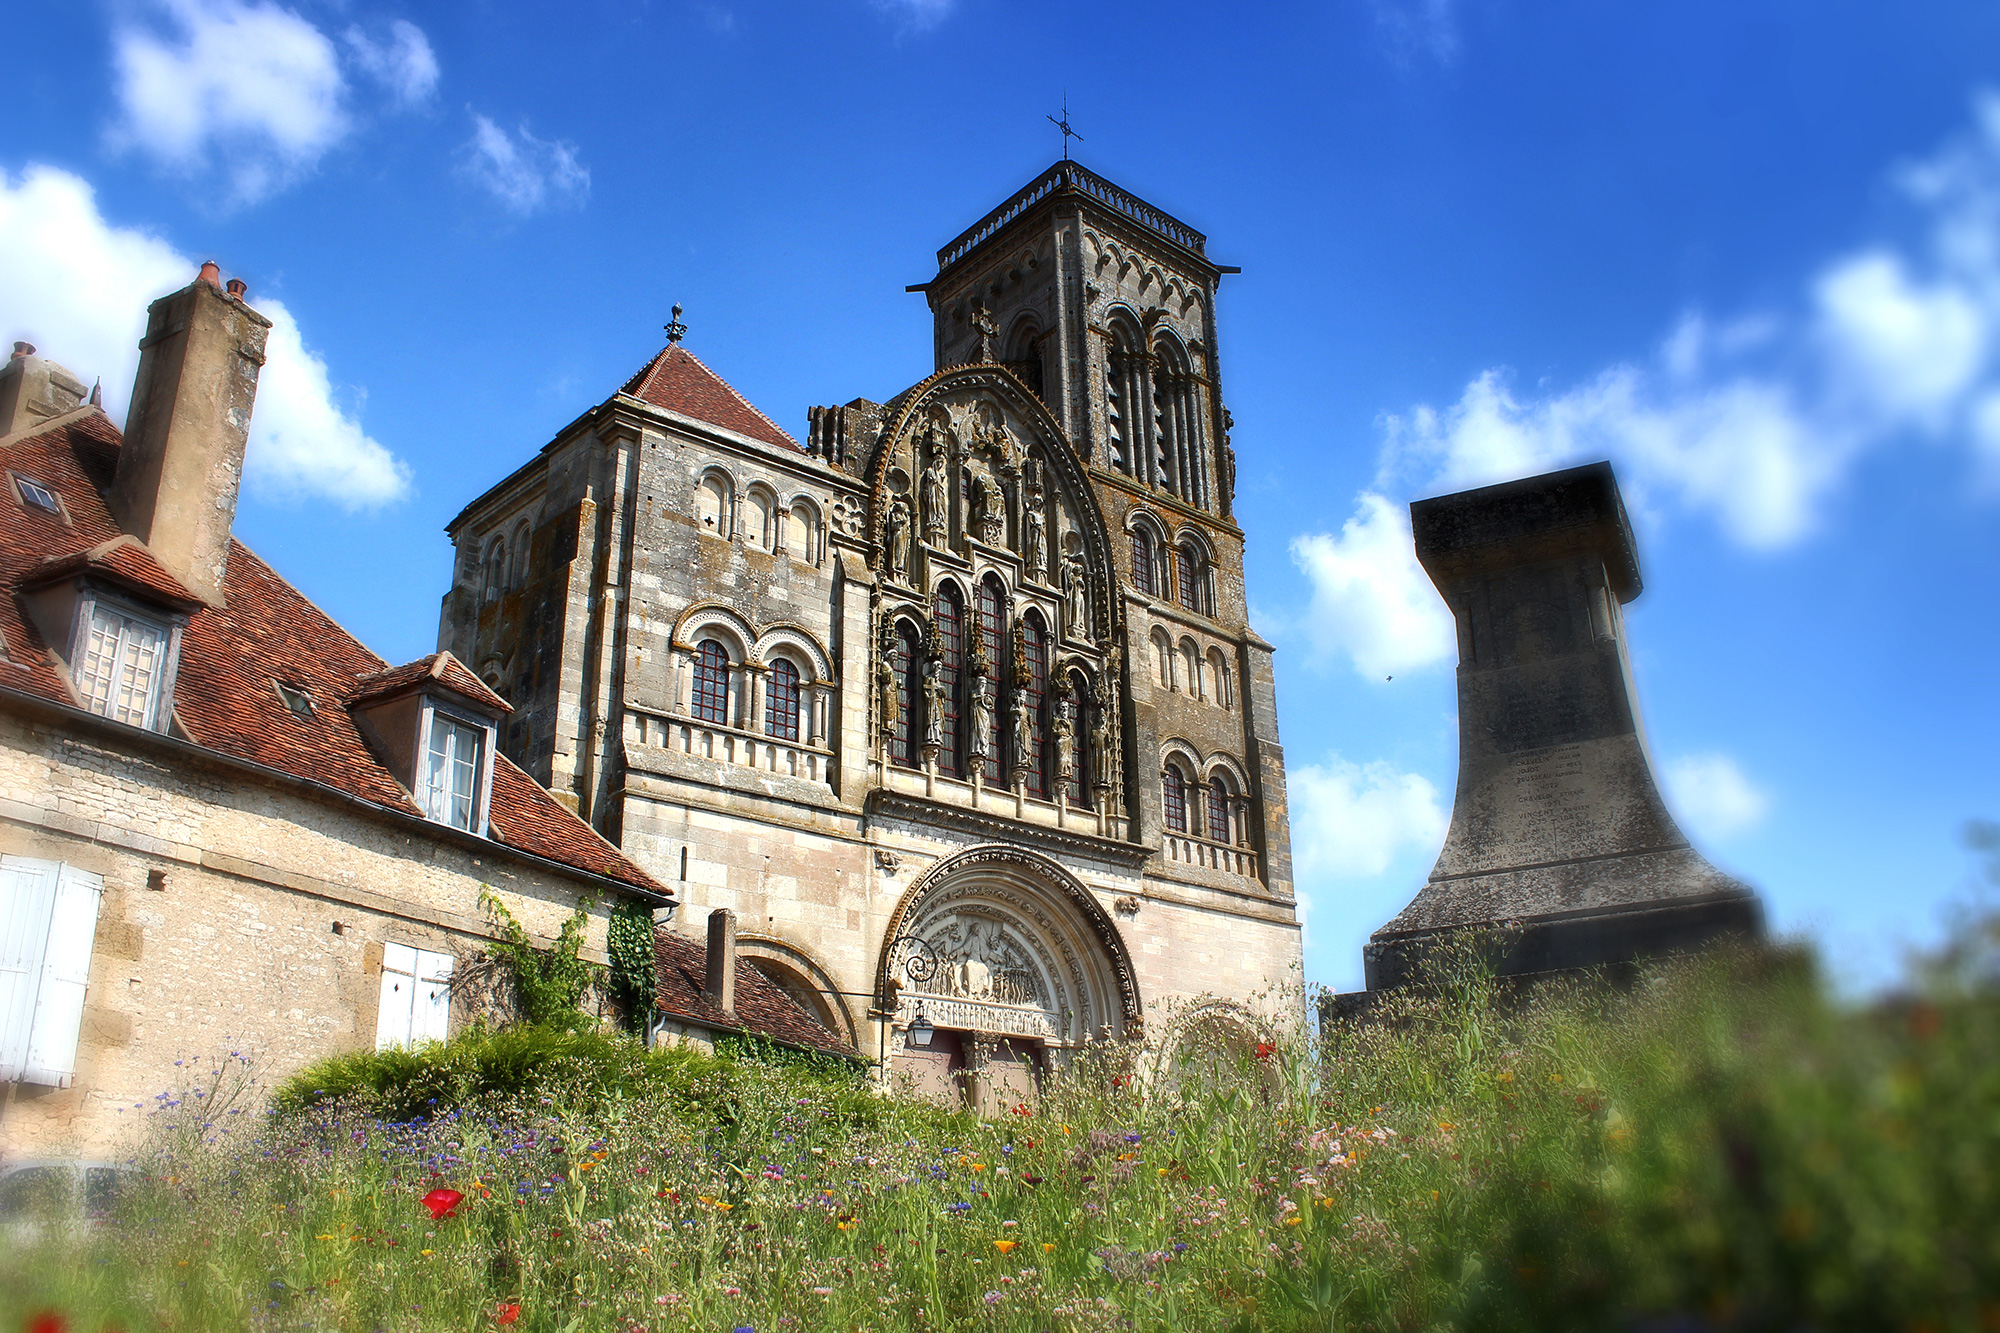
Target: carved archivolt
[{"x": 1021, "y": 945}]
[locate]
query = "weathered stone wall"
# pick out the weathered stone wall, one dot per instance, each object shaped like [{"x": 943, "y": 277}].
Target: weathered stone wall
[{"x": 265, "y": 935}]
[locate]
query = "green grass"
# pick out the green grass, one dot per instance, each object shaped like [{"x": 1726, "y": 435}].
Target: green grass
[{"x": 1722, "y": 1145}]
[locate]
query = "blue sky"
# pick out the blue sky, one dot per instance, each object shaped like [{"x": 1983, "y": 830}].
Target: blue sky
[{"x": 1750, "y": 252}]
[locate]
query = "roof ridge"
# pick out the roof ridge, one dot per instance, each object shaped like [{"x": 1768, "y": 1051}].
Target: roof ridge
[
  {"x": 57, "y": 422},
  {"x": 738, "y": 393}
]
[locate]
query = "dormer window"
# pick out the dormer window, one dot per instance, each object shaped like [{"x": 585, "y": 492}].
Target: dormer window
[
  {"x": 450, "y": 785},
  {"x": 37, "y": 496},
  {"x": 118, "y": 673},
  {"x": 295, "y": 699}
]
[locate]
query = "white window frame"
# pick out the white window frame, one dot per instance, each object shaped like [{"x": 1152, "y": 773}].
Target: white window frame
[
  {"x": 159, "y": 702},
  {"x": 48, "y": 929},
  {"x": 415, "y": 1004},
  {"x": 482, "y": 780}
]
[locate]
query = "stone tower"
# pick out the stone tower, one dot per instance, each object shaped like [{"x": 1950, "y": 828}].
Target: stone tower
[{"x": 956, "y": 704}]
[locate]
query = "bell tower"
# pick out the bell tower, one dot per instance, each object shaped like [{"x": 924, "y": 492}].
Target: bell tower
[{"x": 1105, "y": 307}]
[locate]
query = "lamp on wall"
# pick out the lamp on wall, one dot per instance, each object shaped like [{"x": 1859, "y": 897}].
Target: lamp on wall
[{"x": 920, "y": 1030}]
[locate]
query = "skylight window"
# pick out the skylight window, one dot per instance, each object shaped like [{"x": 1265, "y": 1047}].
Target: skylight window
[
  {"x": 295, "y": 699},
  {"x": 37, "y": 496}
]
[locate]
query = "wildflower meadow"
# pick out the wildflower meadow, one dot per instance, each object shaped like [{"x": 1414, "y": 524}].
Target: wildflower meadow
[{"x": 1714, "y": 1144}]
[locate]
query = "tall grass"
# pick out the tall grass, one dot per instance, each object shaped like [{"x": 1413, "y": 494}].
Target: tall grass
[{"x": 1721, "y": 1145}]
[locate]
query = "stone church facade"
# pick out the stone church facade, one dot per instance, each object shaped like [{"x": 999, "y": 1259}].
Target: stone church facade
[{"x": 956, "y": 705}]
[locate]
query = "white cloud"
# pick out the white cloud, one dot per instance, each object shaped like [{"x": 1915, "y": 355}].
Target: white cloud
[
  {"x": 1418, "y": 28},
  {"x": 250, "y": 85},
  {"x": 917, "y": 14},
  {"x": 78, "y": 286},
  {"x": 404, "y": 63},
  {"x": 1757, "y": 422},
  {"x": 524, "y": 173},
  {"x": 1712, "y": 795},
  {"x": 1349, "y": 820},
  {"x": 1372, "y": 602}
]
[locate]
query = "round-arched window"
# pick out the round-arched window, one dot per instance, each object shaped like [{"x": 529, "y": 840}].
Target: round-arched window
[
  {"x": 711, "y": 683},
  {"x": 781, "y": 701},
  {"x": 1218, "y": 810},
  {"x": 1173, "y": 787}
]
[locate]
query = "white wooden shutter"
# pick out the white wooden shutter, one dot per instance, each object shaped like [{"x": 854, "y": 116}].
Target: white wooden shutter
[
  {"x": 432, "y": 1018},
  {"x": 399, "y": 993},
  {"x": 27, "y": 896},
  {"x": 65, "y": 978}
]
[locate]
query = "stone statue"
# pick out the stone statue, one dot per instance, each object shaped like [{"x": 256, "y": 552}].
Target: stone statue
[
  {"x": 982, "y": 722},
  {"x": 1100, "y": 729},
  {"x": 934, "y": 700},
  {"x": 885, "y": 686},
  {"x": 986, "y": 513},
  {"x": 1065, "y": 746},
  {"x": 1076, "y": 596},
  {"x": 982, "y": 325},
  {"x": 1035, "y": 539},
  {"x": 937, "y": 515},
  {"x": 897, "y": 557},
  {"x": 1024, "y": 734}
]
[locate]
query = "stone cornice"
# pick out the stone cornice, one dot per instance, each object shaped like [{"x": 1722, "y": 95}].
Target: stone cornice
[{"x": 900, "y": 805}]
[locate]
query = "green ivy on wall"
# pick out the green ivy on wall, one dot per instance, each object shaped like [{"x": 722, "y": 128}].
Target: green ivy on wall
[
  {"x": 628, "y": 939},
  {"x": 549, "y": 983}
]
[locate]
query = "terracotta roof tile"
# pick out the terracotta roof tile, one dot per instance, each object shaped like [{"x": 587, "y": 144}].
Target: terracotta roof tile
[
  {"x": 441, "y": 669},
  {"x": 224, "y": 695},
  {"x": 681, "y": 966},
  {"x": 123, "y": 559},
  {"x": 678, "y": 381}
]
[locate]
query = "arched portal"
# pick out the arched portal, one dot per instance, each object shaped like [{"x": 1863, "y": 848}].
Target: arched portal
[{"x": 1017, "y": 964}]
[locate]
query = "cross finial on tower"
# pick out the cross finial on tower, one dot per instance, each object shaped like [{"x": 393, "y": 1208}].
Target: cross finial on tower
[
  {"x": 1063, "y": 125},
  {"x": 675, "y": 329}
]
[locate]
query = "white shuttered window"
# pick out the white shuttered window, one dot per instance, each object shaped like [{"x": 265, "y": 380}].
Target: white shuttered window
[
  {"x": 48, "y": 920},
  {"x": 416, "y": 997},
  {"x": 119, "y": 675}
]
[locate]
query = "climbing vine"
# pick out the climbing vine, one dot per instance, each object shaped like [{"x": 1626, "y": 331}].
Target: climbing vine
[
  {"x": 549, "y": 983},
  {"x": 628, "y": 938}
]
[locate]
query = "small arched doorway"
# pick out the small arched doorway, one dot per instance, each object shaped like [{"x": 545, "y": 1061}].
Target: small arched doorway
[{"x": 1016, "y": 966}]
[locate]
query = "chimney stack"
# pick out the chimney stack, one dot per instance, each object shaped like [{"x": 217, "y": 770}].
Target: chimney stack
[
  {"x": 721, "y": 985},
  {"x": 33, "y": 390},
  {"x": 182, "y": 462}
]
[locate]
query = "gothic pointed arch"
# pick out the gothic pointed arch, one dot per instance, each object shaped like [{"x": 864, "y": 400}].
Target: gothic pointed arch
[{"x": 1022, "y": 949}]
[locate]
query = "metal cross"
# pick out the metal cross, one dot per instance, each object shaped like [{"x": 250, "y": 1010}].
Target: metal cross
[
  {"x": 675, "y": 329},
  {"x": 1063, "y": 125}
]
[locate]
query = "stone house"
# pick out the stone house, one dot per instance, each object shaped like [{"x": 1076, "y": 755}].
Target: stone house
[
  {"x": 956, "y": 705},
  {"x": 225, "y": 825}
]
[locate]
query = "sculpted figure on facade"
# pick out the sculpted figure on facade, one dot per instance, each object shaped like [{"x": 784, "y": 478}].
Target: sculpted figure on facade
[
  {"x": 934, "y": 701},
  {"x": 1076, "y": 596},
  {"x": 982, "y": 722},
  {"x": 1065, "y": 731},
  {"x": 1034, "y": 528},
  {"x": 897, "y": 539},
  {"x": 991, "y": 523},
  {"x": 889, "y": 705},
  {"x": 982, "y": 325},
  {"x": 1024, "y": 735},
  {"x": 936, "y": 505}
]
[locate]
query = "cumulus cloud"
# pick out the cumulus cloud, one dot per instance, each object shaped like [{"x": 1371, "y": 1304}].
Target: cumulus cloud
[
  {"x": 403, "y": 62},
  {"x": 1372, "y": 602},
  {"x": 1714, "y": 797},
  {"x": 248, "y": 89},
  {"x": 1349, "y": 820},
  {"x": 1752, "y": 423},
  {"x": 524, "y": 173},
  {"x": 77, "y": 286}
]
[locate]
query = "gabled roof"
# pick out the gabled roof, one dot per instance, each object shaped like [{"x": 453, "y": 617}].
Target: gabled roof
[
  {"x": 441, "y": 669},
  {"x": 678, "y": 381},
  {"x": 681, "y": 969},
  {"x": 225, "y": 696},
  {"x": 123, "y": 559}
]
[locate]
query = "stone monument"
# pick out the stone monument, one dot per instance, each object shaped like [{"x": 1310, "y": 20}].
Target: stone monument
[{"x": 1559, "y": 840}]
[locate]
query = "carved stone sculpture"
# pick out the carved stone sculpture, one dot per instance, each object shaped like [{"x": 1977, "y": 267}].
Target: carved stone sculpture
[
  {"x": 1076, "y": 596},
  {"x": 890, "y": 704},
  {"x": 982, "y": 325},
  {"x": 982, "y": 722},
  {"x": 1024, "y": 734},
  {"x": 1035, "y": 540},
  {"x": 897, "y": 539},
  {"x": 1065, "y": 746},
  {"x": 934, "y": 701},
  {"x": 937, "y": 515}
]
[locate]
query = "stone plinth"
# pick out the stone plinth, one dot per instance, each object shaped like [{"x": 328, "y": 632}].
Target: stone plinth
[{"x": 1558, "y": 837}]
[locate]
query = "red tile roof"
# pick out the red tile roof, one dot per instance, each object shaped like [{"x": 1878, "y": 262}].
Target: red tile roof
[
  {"x": 123, "y": 560},
  {"x": 681, "y": 966},
  {"x": 678, "y": 381},
  {"x": 224, "y": 696},
  {"x": 439, "y": 669}
]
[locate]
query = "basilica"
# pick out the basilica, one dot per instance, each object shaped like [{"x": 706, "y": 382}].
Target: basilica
[{"x": 953, "y": 703}]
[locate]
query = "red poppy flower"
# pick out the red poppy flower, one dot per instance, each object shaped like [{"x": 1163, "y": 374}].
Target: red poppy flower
[
  {"x": 48, "y": 1321},
  {"x": 1265, "y": 1050},
  {"x": 506, "y": 1314},
  {"x": 443, "y": 1203}
]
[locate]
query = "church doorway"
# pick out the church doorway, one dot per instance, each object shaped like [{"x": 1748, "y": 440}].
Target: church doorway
[{"x": 1011, "y": 964}]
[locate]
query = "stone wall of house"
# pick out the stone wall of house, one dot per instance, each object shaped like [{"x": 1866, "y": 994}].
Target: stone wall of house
[{"x": 237, "y": 915}]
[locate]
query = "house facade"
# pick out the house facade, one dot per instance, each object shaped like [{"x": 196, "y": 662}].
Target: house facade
[
  {"x": 955, "y": 704},
  {"x": 225, "y": 825}
]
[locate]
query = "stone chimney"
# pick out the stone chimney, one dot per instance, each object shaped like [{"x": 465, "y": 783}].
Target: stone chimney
[
  {"x": 182, "y": 462},
  {"x": 33, "y": 390},
  {"x": 721, "y": 982}
]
